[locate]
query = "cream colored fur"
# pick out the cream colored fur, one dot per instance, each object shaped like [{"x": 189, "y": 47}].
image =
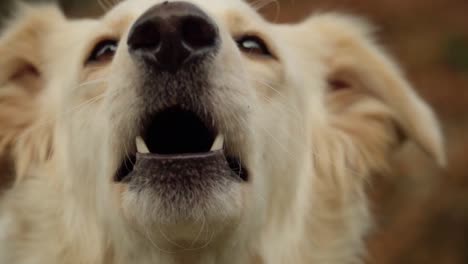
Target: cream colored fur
[
  {"x": 328, "y": 111},
  {"x": 22, "y": 79}
]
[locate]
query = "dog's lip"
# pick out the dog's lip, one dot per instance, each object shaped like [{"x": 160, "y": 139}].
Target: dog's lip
[
  {"x": 143, "y": 160},
  {"x": 188, "y": 156},
  {"x": 228, "y": 166}
]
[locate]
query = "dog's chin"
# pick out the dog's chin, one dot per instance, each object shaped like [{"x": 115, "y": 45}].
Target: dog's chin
[
  {"x": 190, "y": 210},
  {"x": 184, "y": 188},
  {"x": 189, "y": 199}
]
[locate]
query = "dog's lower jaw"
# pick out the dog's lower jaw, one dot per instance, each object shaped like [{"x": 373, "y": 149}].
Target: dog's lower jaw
[
  {"x": 69, "y": 236},
  {"x": 210, "y": 258},
  {"x": 229, "y": 251},
  {"x": 310, "y": 241}
]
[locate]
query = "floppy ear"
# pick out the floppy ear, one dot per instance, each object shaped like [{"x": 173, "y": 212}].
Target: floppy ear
[
  {"x": 21, "y": 42},
  {"x": 364, "y": 81},
  {"x": 22, "y": 73}
]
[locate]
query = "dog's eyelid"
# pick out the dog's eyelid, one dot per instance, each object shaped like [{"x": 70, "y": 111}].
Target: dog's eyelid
[
  {"x": 103, "y": 51},
  {"x": 253, "y": 44}
]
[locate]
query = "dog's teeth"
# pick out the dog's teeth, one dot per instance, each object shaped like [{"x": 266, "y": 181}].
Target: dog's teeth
[
  {"x": 218, "y": 143},
  {"x": 141, "y": 145}
]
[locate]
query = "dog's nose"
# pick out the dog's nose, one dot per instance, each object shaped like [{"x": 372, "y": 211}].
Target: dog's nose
[{"x": 172, "y": 34}]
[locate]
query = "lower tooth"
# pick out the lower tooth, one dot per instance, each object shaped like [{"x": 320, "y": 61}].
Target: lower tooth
[
  {"x": 141, "y": 145},
  {"x": 218, "y": 143}
]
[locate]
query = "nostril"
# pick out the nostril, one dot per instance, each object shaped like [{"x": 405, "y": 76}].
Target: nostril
[
  {"x": 198, "y": 32},
  {"x": 170, "y": 35},
  {"x": 146, "y": 35}
]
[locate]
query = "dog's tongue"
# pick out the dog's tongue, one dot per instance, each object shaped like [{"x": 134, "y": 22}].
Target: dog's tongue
[{"x": 156, "y": 167}]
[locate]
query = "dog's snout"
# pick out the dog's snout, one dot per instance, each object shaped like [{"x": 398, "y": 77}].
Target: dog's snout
[{"x": 172, "y": 34}]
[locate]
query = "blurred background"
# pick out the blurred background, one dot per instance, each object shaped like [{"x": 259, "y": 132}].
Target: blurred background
[{"x": 421, "y": 211}]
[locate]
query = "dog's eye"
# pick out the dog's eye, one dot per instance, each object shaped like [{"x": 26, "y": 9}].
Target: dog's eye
[
  {"x": 253, "y": 45},
  {"x": 103, "y": 52}
]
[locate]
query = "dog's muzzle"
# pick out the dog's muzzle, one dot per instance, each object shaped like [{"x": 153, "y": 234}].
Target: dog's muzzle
[{"x": 180, "y": 144}]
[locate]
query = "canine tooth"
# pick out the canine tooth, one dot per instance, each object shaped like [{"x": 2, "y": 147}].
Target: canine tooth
[
  {"x": 141, "y": 145},
  {"x": 218, "y": 143}
]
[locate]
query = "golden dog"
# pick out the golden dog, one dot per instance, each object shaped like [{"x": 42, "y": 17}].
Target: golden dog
[{"x": 197, "y": 132}]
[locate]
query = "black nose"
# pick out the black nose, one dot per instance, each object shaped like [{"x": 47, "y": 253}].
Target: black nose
[{"x": 172, "y": 34}]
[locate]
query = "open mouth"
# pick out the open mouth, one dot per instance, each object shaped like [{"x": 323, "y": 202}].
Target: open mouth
[{"x": 178, "y": 138}]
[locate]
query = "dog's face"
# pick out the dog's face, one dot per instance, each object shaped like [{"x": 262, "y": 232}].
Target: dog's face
[
  {"x": 190, "y": 112},
  {"x": 195, "y": 123}
]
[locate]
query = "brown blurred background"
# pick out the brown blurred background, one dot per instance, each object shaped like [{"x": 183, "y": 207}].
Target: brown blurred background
[{"x": 421, "y": 211}]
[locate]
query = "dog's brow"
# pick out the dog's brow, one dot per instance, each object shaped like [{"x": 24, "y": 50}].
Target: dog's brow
[
  {"x": 234, "y": 20},
  {"x": 120, "y": 23}
]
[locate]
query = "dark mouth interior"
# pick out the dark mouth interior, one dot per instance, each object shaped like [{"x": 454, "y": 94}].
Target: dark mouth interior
[
  {"x": 173, "y": 132},
  {"x": 176, "y": 131}
]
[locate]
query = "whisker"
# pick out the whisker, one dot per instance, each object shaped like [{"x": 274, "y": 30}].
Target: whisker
[
  {"x": 91, "y": 82},
  {"x": 301, "y": 122},
  {"x": 291, "y": 109},
  {"x": 169, "y": 240},
  {"x": 208, "y": 242},
  {"x": 147, "y": 235},
  {"x": 200, "y": 232}
]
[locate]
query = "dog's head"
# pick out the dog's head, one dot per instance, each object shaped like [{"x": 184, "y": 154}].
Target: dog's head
[{"x": 200, "y": 125}]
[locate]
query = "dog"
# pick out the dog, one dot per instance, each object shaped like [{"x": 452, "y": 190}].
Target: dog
[{"x": 197, "y": 132}]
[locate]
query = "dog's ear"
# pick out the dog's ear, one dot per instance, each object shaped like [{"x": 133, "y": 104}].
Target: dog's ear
[
  {"x": 22, "y": 72},
  {"x": 21, "y": 41},
  {"x": 364, "y": 81}
]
